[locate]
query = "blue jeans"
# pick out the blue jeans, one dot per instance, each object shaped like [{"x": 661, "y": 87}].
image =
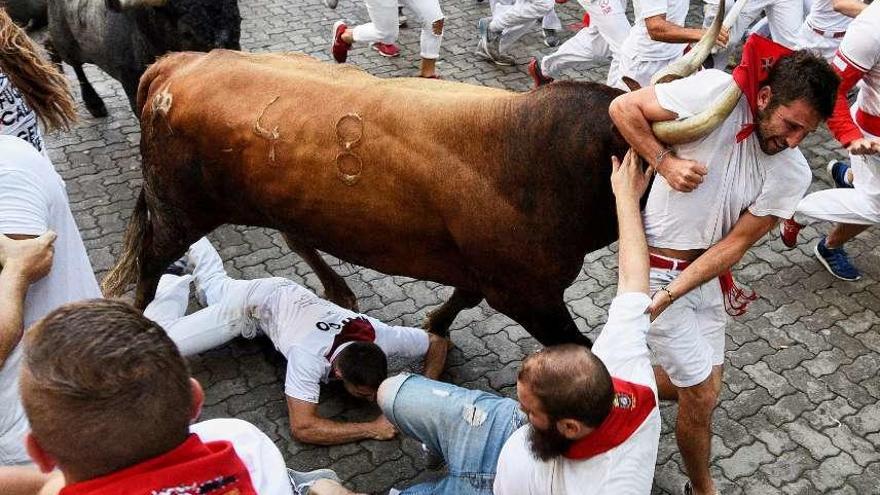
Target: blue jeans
[{"x": 467, "y": 427}]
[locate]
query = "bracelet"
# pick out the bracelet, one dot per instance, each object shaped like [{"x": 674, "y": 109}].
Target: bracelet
[
  {"x": 661, "y": 155},
  {"x": 668, "y": 293}
]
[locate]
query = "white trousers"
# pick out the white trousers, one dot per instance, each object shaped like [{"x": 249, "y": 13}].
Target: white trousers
[
  {"x": 859, "y": 205},
  {"x": 811, "y": 40},
  {"x": 384, "y": 26},
  {"x": 515, "y": 19},
  {"x": 232, "y": 305},
  {"x": 784, "y": 17},
  {"x": 598, "y": 42}
]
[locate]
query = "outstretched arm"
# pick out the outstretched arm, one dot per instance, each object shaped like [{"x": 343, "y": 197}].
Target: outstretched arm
[
  {"x": 629, "y": 182},
  {"x": 307, "y": 426},
  {"x": 435, "y": 358}
]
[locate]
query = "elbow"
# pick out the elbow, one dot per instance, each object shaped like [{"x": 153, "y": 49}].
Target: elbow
[
  {"x": 655, "y": 34},
  {"x": 616, "y": 110}
]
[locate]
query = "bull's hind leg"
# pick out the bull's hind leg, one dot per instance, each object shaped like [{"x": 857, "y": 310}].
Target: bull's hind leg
[
  {"x": 94, "y": 103},
  {"x": 335, "y": 288},
  {"x": 439, "y": 320}
]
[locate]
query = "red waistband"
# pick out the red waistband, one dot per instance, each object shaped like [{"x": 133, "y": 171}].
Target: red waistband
[
  {"x": 828, "y": 34},
  {"x": 663, "y": 263},
  {"x": 868, "y": 122}
]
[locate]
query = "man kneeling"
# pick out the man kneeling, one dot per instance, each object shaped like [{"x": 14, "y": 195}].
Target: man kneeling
[{"x": 586, "y": 422}]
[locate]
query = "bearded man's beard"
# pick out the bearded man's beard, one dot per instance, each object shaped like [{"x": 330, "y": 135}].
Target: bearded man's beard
[
  {"x": 770, "y": 146},
  {"x": 548, "y": 444}
]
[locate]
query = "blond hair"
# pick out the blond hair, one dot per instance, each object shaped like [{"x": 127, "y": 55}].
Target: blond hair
[{"x": 42, "y": 85}]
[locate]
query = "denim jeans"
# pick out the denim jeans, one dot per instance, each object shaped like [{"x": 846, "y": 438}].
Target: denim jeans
[{"x": 467, "y": 427}]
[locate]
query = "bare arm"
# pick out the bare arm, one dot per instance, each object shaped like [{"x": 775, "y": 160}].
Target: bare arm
[
  {"x": 24, "y": 260},
  {"x": 435, "y": 358},
  {"x": 659, "y": 29},
  {"x": 307, "y": 426},
  {"x": 717, "y": 259},
  {"x": 21, "y": 480},
  {"x": 633, "y": 114},
  {"x": 849, "y": 8},
  {"x": 629, "y": 183}
]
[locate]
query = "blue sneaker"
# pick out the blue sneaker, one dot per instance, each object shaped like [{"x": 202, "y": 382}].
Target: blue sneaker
[
  {"x": 838, "y": 170},
  {"x": 836, "y": 262}
]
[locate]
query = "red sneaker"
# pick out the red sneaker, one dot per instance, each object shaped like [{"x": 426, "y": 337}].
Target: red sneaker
[
  {"x": 538, "y": 77},
  {"x": 560, "y": 2},
  {"x": 789, "y": 230},
  {"x": 386, "y": 49},
  {"x": 339, "y": 48}
]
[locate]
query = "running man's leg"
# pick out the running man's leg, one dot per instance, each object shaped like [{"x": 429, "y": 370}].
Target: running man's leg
[
  {"x": 585, "y": 47},
  {"x": 383, "y": 28},
  {"x": 171, "y": 300},
  {"x": 516, "y": 21}
]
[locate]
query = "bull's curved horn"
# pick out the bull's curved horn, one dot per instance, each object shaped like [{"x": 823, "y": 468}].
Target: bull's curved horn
[
  {"x": 690, "y": 62},
  {"x": 693, "y": 128}
]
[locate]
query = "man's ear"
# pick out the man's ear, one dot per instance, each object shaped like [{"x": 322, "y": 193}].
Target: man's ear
[
  {"x": 41, "y": 458},
  {"x": 572, "y": 429},
  {"x": 198, "y": 399},
  {"x": 764, "y": 96}
]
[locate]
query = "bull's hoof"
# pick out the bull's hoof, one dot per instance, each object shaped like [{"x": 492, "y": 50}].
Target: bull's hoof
[{"x": 97, "y": 109}]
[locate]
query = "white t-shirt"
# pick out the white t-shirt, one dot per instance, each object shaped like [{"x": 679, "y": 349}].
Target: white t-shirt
[
  {"x": 627, "y": 469},
  {"x": 16, "y": 117},
  {"x": 261, "y": 457},
  {"x": 861, "y": 46},
  {"x": 639, "y": 45},
  {"x": 741, "y": 177},
  {"x": 823, "y": 16},
  {"x": 302, "y": 326},
  {"x": 33, "y": 200}
]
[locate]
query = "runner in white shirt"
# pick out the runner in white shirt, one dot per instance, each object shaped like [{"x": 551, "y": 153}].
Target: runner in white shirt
[
  {"x": 718, "y": 196},
  {"x": 319, "y": 339},
  {"x": 586, "y": 423},
  {"x": 784, "y": 17},
  {"x": 855, "y": 205},
  {"x": 508, "y": 23},
  {"x": 658, "y": 37},
  {"x": 597, "y": 42},
  {"x": 826, "y": 24},
  {"x": 33, "y": 200}
]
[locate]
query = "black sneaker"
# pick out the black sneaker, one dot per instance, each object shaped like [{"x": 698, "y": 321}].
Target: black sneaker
[{"x": 551, "y": 38}]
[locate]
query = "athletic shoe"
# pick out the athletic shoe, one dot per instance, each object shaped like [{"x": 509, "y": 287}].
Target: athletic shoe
[
  {"x": 560, "y": 2},
  {"x": 487, "y": 47},
  {"x": 551, "y": 38},
  {"x": 331, "y": 4},
  {"x": 836, "y": 262},
  {"x": 789, "y": 230},
  {"x": 538, "y": 77},
  {"x": 178, "y": 268},
  {"x": 401, "y": 18},
  {"x": 837, "y": 170},
  {"x": 687, "y": 489},
  {"x": 339, "y": 48},
  {"x": 387, "y": 50},
  {"x": 302, "y": 481}
]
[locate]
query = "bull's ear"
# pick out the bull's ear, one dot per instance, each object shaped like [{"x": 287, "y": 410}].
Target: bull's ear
[{"x": 120, "y": 5}]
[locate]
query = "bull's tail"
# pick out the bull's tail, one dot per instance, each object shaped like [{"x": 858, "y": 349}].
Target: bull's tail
[{"x": 126, "y": 269}]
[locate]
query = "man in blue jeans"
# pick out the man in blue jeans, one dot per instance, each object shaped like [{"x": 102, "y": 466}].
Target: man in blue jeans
[{"x": 586, "y": 422}]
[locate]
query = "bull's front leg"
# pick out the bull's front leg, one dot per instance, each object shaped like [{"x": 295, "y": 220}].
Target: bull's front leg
[
  {"x": 550, "y": 324},
  {"x": 440, "y": 319},
  {"x": 335, "y": 289}
]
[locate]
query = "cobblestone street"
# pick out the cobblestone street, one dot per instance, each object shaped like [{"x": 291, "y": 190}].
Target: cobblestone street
[{"x": 799, "y": 409}]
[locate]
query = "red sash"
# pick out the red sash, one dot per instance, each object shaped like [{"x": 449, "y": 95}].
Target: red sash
[
  {"x": 759, "y": 55},
  {"x": 354, "y": 330},
  {"x": 193, "y": 468},
  {"x": 632, "y": 404}
]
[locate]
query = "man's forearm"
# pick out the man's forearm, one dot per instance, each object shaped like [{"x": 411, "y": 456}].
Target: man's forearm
[
  {"x": 636, "y": 129},
  {"x": 435, "y": 358},
  {"x": 849, "y": 8},
  {"x": 715, "y": 261},
  {"x": 659, "y": 29},
  {"x": 20, "y": 480},
  {"x": 13, "y": 291},
  {"x": 322, "y": 431},
  {"x": 632, "y": 249}
]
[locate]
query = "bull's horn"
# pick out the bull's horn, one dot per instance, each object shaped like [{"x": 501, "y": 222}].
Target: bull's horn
[
  {"x": 120, "y": 5},
  {"x": 690, "y": 62},
  {"x": 730, "y": 18},
  {"x": 698, "y": 126}
]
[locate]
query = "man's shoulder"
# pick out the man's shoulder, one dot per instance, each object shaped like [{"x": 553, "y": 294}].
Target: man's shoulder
[{"x": 17, "y": 154}]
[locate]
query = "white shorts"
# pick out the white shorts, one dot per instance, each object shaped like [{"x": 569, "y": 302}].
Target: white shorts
[
  {"x": 688, "y": 338},
  {"x": 811, "y": 40}
]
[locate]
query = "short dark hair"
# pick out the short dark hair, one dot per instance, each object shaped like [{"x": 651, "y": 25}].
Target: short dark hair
[
  {"x": 570, "y": 382},
  {"x": 804, "y": 75},
  {"x": 363, "y": 364},
  {"x": 104, "y": 387}
]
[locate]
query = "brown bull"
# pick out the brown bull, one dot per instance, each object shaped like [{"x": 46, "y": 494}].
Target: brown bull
[{"x": 495, "y": 193}]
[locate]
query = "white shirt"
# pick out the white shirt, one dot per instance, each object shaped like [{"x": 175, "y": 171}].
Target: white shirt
[
  {"x": 260, "y": 456},
  {"x": 823, "y": 16},
  {"x": 627, "y": 469},
  {"x": 302, "y": 326},
  {"x": 861, "y": 46},
  {"x": 639, "y": 45},
  {"x": 32, "y": 200},
  {"x": 16, "y": 117},
  {"x": 741, "y": 177}
]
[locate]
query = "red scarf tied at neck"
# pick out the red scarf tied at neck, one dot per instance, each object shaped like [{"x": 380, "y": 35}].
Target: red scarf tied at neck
[{"x": 759, "y": 55}]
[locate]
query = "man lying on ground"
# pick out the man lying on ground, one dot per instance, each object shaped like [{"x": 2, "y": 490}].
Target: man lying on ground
[{"x": 319, "y": 339}]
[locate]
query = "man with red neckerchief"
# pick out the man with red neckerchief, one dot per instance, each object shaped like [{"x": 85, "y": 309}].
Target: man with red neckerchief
[{"x": 587, "y": 422}]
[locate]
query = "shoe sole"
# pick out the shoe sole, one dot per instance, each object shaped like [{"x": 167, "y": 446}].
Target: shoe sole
[{"x": 828, "y": 267}]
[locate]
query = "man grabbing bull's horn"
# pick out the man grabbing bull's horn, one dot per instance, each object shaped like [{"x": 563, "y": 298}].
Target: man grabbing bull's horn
[{"x": 736, "y": 172}]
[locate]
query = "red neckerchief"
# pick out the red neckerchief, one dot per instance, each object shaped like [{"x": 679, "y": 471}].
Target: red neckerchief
[
  {"x": 632, "y": 404},
  {"x": 354, "y": 330},
  {"x": 193, "y": 468},
  {"x": 759, "y": 55}
]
